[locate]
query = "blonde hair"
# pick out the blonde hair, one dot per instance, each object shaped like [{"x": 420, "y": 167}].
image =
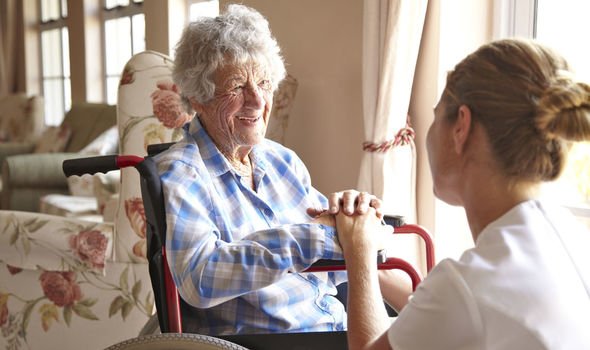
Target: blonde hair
[{"x": 526, "y": 99}]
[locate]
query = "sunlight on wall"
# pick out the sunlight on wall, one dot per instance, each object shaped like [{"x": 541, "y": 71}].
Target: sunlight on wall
[{"x": 458, "y": 19}]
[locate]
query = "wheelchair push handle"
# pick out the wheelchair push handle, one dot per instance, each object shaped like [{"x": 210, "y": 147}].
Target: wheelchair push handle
[{"x": 98, "y": 164}]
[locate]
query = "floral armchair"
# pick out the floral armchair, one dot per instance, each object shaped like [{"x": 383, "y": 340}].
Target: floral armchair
[{"x": 67, "y": 283}]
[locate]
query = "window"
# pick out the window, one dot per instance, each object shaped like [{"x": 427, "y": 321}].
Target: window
[
  {"x": 124, "y": 36},
  {"x": 55, "y": 59},
  {"x": 203, "y": 8},
  {"x": 562, "y": 26}
]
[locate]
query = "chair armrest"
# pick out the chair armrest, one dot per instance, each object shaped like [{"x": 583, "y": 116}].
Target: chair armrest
[
  {"x": 42, "y": 170},
  {"x": 8, "y": 149},
  {"x": 33, "y": 240}
]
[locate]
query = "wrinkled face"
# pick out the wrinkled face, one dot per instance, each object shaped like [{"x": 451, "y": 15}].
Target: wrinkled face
[
  {"x": 238, "y": 114},
  {"x": 441, "y": 157}
]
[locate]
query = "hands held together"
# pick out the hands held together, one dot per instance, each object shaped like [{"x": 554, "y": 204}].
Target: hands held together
[{"x": 357, "y": 217}]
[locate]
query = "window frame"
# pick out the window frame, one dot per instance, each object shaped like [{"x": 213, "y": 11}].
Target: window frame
[
  {"x": 60, "y": 24},
  {"x": 120, "y": 11}
]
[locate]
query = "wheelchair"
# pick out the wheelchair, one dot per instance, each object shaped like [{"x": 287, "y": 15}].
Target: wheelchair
[{"x": 172, "y": 312}]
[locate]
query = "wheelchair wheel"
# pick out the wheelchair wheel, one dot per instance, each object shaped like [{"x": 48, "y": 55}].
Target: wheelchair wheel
[{"x": 175, "y": 341}]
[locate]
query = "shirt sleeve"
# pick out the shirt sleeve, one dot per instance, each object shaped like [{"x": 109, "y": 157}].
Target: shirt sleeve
[
  {"x": 208, "y": 270},
  {"x": 441, "y": 314}
]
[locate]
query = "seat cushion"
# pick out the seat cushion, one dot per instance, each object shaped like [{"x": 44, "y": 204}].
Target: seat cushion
[
  {"x": 69, "y": 206},
  {"x": 87, "y": 121},
  {"x": 54, "y": 139}
]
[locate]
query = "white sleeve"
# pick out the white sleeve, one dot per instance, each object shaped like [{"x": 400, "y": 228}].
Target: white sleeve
[{"x": 441, "y": 314}]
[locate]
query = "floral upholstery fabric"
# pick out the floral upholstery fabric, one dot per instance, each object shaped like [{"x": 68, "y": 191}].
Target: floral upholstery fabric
[
  {"x": 138, "y": 128},
  {"x": 24, "y": 242},
  {"x": 60, "y": 289}
]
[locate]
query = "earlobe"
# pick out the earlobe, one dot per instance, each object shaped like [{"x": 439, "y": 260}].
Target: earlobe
[
  {"x": 462, "y": 128},
  {"x": 197, "y": 107}
]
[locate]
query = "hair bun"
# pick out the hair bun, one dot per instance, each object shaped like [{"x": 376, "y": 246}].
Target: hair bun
[{"x": 563, "y": 109}]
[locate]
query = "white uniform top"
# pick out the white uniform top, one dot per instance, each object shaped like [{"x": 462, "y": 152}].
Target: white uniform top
[{"x": 525, "y": 285}]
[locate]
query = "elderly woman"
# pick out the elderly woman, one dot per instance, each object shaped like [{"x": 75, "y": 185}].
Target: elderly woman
[
  {"x": 502, "y": 127},
  {"x": 236, "y": 203}
]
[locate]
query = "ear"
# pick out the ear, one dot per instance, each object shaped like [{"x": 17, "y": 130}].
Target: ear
[
  {"x": 197, "y": 107},
  {"x": 462, "y": 128}
]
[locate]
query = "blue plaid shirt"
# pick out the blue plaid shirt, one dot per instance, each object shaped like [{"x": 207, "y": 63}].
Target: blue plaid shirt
[{"x": 235, "y": 253}]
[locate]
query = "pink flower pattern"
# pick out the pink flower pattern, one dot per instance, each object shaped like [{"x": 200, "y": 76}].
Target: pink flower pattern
[
  {"x": 90, "y": 247},
  {"x": 60, "y": 287},
  {"x": 13, "y": 269},
  {"x": 168, "y": 107},
  {"x": 136, "y": 215},
  {"x": 127, "y": 77}
]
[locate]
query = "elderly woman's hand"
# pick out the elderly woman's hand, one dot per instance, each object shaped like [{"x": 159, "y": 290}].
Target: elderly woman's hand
[
  {"x": 351, "y": 202},
  {"x": 362, "y": 234},
  {"x": 325, "y": 219}
]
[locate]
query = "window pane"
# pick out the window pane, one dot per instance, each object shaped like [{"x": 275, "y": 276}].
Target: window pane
[
  {"x": 109, "y": 4},
  {"x": 67, "y": 96},
  {"x": 53, "y": 93},
  {"x": 117, "y": 44},
  {"x": 138, "y": 22},
  {"x": 559, "y": 20},
  {"x": 49, "y": 10},
  {"x": 65, "y": 52},
  {"x": 51, "y": 49},
  {"x": 112, "y": 85},
  {"x": 64, "y": 8}
]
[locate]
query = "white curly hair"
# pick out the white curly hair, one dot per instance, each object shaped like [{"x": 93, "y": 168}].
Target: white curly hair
[{"x": 238, "y": 36}]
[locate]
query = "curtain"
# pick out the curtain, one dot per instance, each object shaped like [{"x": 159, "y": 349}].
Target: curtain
[
  {"x": 392, "y": 30},
  {"x": 8, "y": 16}
]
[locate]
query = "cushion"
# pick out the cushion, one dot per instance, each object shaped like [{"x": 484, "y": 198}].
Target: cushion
[
  {"x": 54, "y": 139},
  {"x": 105, "y": 143},
  {"x": 88, "y": 121},
  {"x": 21, "y": 117},
  {"x": 67, "y": 206},
  {"x": 81, "y": 186}
]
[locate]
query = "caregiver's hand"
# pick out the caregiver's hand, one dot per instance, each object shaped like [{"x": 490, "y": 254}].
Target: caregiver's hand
[{"x": 362, "y": 234}]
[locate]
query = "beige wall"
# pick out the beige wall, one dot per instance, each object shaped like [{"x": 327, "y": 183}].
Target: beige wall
[{"x": 322, "y": 46}]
